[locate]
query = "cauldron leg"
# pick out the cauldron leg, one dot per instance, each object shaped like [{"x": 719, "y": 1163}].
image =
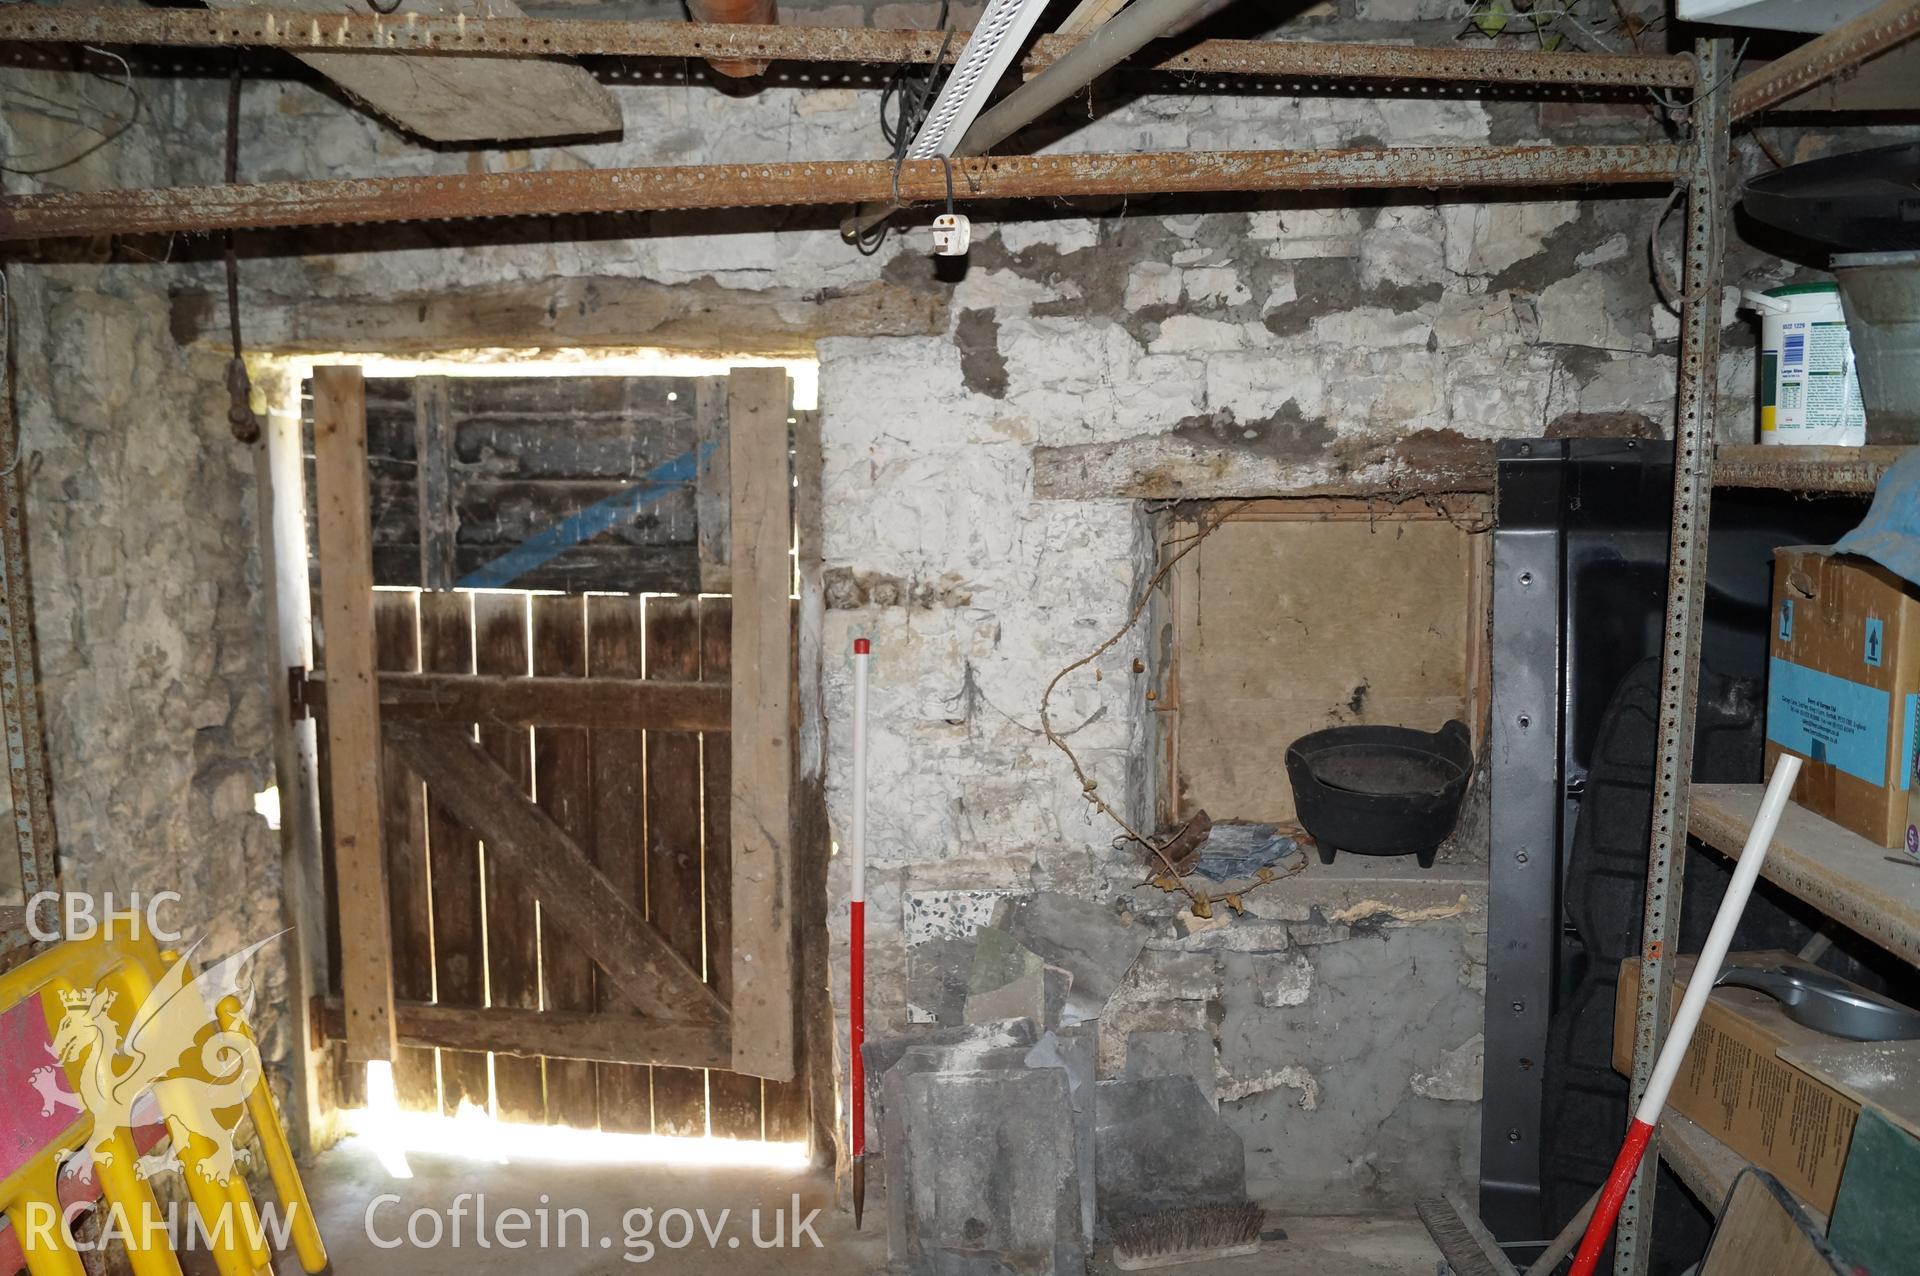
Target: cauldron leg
[
  {"x": 1326, "y": 853},
  {"x": 1425, "y": 858}
]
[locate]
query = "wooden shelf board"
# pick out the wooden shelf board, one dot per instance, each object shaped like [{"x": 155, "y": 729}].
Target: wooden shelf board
[
  {"x": 1803, "y": 469},
  {"x": 1840, "y": 873},
  {"x": 1705, "y": 1164}
]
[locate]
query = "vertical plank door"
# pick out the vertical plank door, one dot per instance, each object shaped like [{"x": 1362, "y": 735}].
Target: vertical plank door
[
  {"x": 563, "y": 783},
  {"x": 615, "y": 643},
  {"x": 460, "y": 973},
  {"x": 403, "y": 823},
  {"x": 500, "y": 646},
  {"x": 673, "y": 842}
]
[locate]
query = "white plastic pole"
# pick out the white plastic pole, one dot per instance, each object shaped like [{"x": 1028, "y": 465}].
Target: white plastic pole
[
  {"x": 1714, "y": 955},
  {"x": 857, "y": 826},
  {"x": 1646, "y": 1119}
]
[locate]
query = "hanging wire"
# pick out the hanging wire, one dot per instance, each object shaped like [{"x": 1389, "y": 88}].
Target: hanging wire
[
  {"x": 1675, "y": 107},
  {"x": 240, "y": 414},
  {"x": 1671, "y": 289},
  {"x": 12, "y": 443},
  {"x": 107, "y": 135},
  {"x": 904, "y": 104}
]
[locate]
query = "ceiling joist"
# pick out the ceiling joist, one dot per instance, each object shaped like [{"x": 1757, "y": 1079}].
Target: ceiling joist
[
  {"x": 423, "y": 34},
  {"x": 1843, "y": 49},
  {"x": 625, "y": 190}
]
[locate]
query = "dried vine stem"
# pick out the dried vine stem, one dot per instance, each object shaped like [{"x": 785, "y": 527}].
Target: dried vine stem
[{"x": 1089, "y": 787}]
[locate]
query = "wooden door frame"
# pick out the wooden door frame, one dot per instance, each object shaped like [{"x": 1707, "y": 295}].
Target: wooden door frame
[{"x": 791, "y": 845}]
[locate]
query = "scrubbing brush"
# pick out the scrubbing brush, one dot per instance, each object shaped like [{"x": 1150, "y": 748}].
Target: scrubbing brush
[{"x": 1193, "y": 1234}]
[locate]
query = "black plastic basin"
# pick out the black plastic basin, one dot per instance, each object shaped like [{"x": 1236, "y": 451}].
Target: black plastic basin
[{"x": 1380, "y": 790}]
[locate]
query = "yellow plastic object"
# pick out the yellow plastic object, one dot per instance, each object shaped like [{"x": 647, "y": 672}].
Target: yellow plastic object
[{"x": 123, "y": 1016}]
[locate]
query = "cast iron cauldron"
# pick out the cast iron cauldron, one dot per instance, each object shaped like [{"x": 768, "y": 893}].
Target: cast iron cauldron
[{"x": 1380, "y": 790}]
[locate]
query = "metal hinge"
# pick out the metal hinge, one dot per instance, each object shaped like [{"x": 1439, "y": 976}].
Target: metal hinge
[{"x": 299, "y": 706}]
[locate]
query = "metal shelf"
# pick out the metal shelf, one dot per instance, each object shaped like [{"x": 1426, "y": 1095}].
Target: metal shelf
[
  {"x": 1804, "y": 469},
  {"x": 1706, "y": 1165},
  {"x": 1840, "y": 873}
]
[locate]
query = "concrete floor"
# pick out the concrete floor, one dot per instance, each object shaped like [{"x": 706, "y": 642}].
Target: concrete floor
[{"x": 348, "y": 1186}]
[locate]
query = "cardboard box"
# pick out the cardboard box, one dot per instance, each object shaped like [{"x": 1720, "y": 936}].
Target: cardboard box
[
  {"x": 1843, "y": 687},
  {"x": 1734, "y": 1085},
  {"x": 1913, "y": 805}
]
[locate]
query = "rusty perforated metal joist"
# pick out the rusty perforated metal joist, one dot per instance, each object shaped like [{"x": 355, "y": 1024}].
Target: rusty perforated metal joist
[
  {"x": 1821, "y": 59},
  {"x": 520, "y": 37},
  {"x": 369, "y": 200}
]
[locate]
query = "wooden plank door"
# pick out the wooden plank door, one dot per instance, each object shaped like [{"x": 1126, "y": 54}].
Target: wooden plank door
[{"x": 562, "y": 816}]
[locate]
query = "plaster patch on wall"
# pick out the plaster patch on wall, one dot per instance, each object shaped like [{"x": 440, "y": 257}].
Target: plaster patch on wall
[
  {"x": 1152, "y": 283},
  {"x": 1457, "y": 1077},
  {"x": 1284, "y": 981},
  {"x": 1166, "y": 974},
  {"x": 1232, "y": 1089},
  {"x": 1382, "y": 912},
  {"x": 1225, "y": 932}
]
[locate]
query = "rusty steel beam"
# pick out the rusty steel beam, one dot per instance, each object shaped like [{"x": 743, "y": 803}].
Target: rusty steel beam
[
  {"x": 1824, "y": 57},
  {"x": 357, "y": 201},
  {"x": 414, "y": 33}
]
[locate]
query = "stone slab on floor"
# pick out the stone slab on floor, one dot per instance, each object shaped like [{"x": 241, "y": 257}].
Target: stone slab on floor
[
  {"x": 1090, "y": 940},
  {"x": 991, "y": 1182},
  {"x": 885, "y": 1113},
  {"x": 881, "y": 1053},
  {"x": 1158, "y": 1144}
]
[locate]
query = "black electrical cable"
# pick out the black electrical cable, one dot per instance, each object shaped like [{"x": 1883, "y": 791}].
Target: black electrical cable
[
  {"x": 904, "y": 104},
  {"x": 240, "y": 414},
  {"x": 108, "y": 135}
]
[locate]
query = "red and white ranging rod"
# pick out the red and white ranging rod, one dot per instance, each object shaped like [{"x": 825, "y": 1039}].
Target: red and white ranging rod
[
  {"x": 857, "y": 962},
  {"x": 1646, "y": 1118}
]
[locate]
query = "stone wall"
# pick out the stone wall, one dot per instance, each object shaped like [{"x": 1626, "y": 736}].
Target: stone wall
[
  {"x": 143, "y": 553},
  {"x": 1340, "y": 1019}
]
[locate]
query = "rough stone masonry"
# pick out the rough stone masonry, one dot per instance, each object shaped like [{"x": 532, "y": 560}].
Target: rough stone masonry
[{"x": 1336, "y": 1026}]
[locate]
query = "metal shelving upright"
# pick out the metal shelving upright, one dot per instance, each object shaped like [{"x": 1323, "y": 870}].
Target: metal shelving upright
[{"x": 1714, "y": 111}]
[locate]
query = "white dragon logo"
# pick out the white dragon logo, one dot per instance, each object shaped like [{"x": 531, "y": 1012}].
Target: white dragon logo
[{"x": 174, "y": 1042}]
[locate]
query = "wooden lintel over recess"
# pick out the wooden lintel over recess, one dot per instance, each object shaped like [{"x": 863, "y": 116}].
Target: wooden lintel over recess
[
  {"x": 1172, "y": 467},
  {"x": 699, "y": 315}
]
